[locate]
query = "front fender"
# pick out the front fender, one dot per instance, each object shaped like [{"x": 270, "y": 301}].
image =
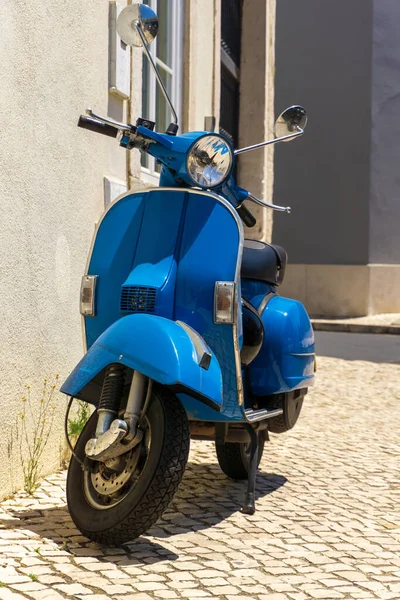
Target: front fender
[{"x": 161, "y": 349}]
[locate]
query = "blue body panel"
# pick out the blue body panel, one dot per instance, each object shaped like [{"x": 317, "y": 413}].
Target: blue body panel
[
  {"x": 177, "y": 244},
  {"x": 286, "y": 359},
  {"x": 165, "y": 249},
  {"x": 159, "y": 348},
  {"x": 208, "y": 254}
]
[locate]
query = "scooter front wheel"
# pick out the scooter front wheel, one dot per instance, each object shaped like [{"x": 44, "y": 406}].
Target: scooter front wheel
[
  {"x": 234, "y": 458},
  {"x": 117, "y": 501}
]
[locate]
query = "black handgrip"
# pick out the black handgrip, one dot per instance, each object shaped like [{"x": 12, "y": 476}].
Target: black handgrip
[
  {"x": 246, "y": 216},
  {"x": 97, "y": 126}
]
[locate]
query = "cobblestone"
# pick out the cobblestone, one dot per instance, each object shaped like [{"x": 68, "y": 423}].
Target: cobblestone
[{"x": 327, "y": 523}]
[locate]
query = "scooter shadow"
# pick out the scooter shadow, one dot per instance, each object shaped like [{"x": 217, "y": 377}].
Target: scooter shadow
[{"x": 205, "y": 498}]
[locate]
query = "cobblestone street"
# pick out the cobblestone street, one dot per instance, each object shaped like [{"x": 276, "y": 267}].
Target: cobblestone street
[{"x": 327, "y": 523}]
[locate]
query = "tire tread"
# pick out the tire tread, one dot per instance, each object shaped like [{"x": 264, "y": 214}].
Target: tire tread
[
  {"x": 231, "y": 461},
  {"x": 165, "y": 483}
]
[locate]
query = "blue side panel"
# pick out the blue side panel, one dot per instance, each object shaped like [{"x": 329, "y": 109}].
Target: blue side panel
[
  {"x": 157, "y": 347},
  {"x": 158, "y": 239},
  {"x": 209, "y": 253},
  {"x": 111, "y": 260},
  {"x": 155, "y": 260},
  {"x": 286, "y": 359},
  {"x": 136, "y": 245}
]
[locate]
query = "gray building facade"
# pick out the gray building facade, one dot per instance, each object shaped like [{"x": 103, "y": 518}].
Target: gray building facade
[{"x": 340, "y": 59}]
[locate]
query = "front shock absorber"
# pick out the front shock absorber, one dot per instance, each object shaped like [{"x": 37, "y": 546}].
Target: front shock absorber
[{"x": 110, "y": 399}]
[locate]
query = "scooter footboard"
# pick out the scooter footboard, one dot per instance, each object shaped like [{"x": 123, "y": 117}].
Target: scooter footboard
[
  {"x": 166, "y": 351},
  {"x": 286, "y": 359}
]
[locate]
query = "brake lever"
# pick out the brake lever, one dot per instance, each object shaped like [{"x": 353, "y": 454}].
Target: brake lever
[
  {"x": 117, "y": 124},
  {"x": 286, "y": 209}
]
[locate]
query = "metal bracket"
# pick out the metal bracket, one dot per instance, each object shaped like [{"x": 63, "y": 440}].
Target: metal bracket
[{"x": 108, "y": 445}]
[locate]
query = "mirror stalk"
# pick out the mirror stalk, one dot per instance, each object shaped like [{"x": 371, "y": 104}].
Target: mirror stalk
[
  {"x": 284, "y": 138},
  {"x": 153, "y": 64}
]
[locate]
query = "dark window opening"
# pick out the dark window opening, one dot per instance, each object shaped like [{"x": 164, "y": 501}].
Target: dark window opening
[{"x": 231, "y": 29}]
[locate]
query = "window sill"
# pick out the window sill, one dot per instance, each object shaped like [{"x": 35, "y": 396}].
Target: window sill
[{"x": 149, "y": 177}]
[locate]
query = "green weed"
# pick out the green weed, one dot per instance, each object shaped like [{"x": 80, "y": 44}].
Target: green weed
[
  {"x": 77, "y": 423},
  {"x": 35, "y": 421}
]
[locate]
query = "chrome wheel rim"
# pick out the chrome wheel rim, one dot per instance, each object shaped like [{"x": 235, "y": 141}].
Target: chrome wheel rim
[{"x": 107, "y": 484}]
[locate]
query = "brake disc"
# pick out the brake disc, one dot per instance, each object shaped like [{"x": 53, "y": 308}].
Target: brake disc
[{"x": 106, "y": 481}]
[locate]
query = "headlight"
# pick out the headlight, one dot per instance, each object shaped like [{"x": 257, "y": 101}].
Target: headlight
[{"x": 209, "y": 161}]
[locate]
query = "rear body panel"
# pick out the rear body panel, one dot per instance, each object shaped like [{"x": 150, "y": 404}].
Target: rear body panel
[{"x": 287, "y": 357}]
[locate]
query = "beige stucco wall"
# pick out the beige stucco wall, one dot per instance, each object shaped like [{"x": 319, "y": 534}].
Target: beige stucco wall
[
  {"x": 257, "y": 118},
  {"x": 201, "y": 62},
  {"x": 54, "y": 64}
]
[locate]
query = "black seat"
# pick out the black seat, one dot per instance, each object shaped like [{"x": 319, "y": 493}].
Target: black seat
[{"x": 263, "y": 262}]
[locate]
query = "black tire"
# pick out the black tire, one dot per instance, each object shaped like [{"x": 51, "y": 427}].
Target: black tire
[
  {"x": 291, "y": 403},
  {"x": 234, "y": 460},
  {"x": 278, "y": 425},
  {"x": 141, "y": 500}
]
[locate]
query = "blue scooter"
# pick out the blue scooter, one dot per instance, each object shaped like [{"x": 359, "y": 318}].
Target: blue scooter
[{"x": 186, "y": 335}]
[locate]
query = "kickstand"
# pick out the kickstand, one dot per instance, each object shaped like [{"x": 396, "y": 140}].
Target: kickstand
[{"x": 249, "y": 503}]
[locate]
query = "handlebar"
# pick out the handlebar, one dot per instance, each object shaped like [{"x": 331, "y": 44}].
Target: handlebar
[
  {"x": 97, "y": 126},
  {"x": 140, "y": 137},
  {"x": 247, "y": 217}
]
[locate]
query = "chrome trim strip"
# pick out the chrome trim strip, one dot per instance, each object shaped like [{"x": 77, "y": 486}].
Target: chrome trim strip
[
  {"x": 239, "y": 223},
  {"x": 252, "y": 416},
  {"x": 203, "y": 352},
  {"x": 265, "y": 301},
  {"x": 238, "y": 365}
]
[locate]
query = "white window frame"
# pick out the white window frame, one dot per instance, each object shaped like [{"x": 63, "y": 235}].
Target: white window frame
[{"x": 149, "y": 174}]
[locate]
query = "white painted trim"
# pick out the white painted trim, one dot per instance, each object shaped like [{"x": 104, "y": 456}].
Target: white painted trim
[
  {"x": 147, "y": 176},
  {"x": 113, "y": 188}
]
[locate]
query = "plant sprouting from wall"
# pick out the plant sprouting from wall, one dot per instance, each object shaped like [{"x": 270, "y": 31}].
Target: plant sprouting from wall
[
  {"x": 78, "y": 422},
  {"x": 35, "y": 422}
]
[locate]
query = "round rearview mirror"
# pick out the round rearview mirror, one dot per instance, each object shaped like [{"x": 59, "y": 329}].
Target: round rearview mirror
[
  {"x": 133, "y": 15},
  {"x": 292, "y": 120}
]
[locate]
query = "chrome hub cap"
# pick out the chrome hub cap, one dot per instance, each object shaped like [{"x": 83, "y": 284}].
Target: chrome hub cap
[{"x": 109, "y": 482}]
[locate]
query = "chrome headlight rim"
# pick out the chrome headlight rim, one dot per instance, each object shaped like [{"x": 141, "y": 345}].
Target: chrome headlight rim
[{"x": 231, "y": 156}]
